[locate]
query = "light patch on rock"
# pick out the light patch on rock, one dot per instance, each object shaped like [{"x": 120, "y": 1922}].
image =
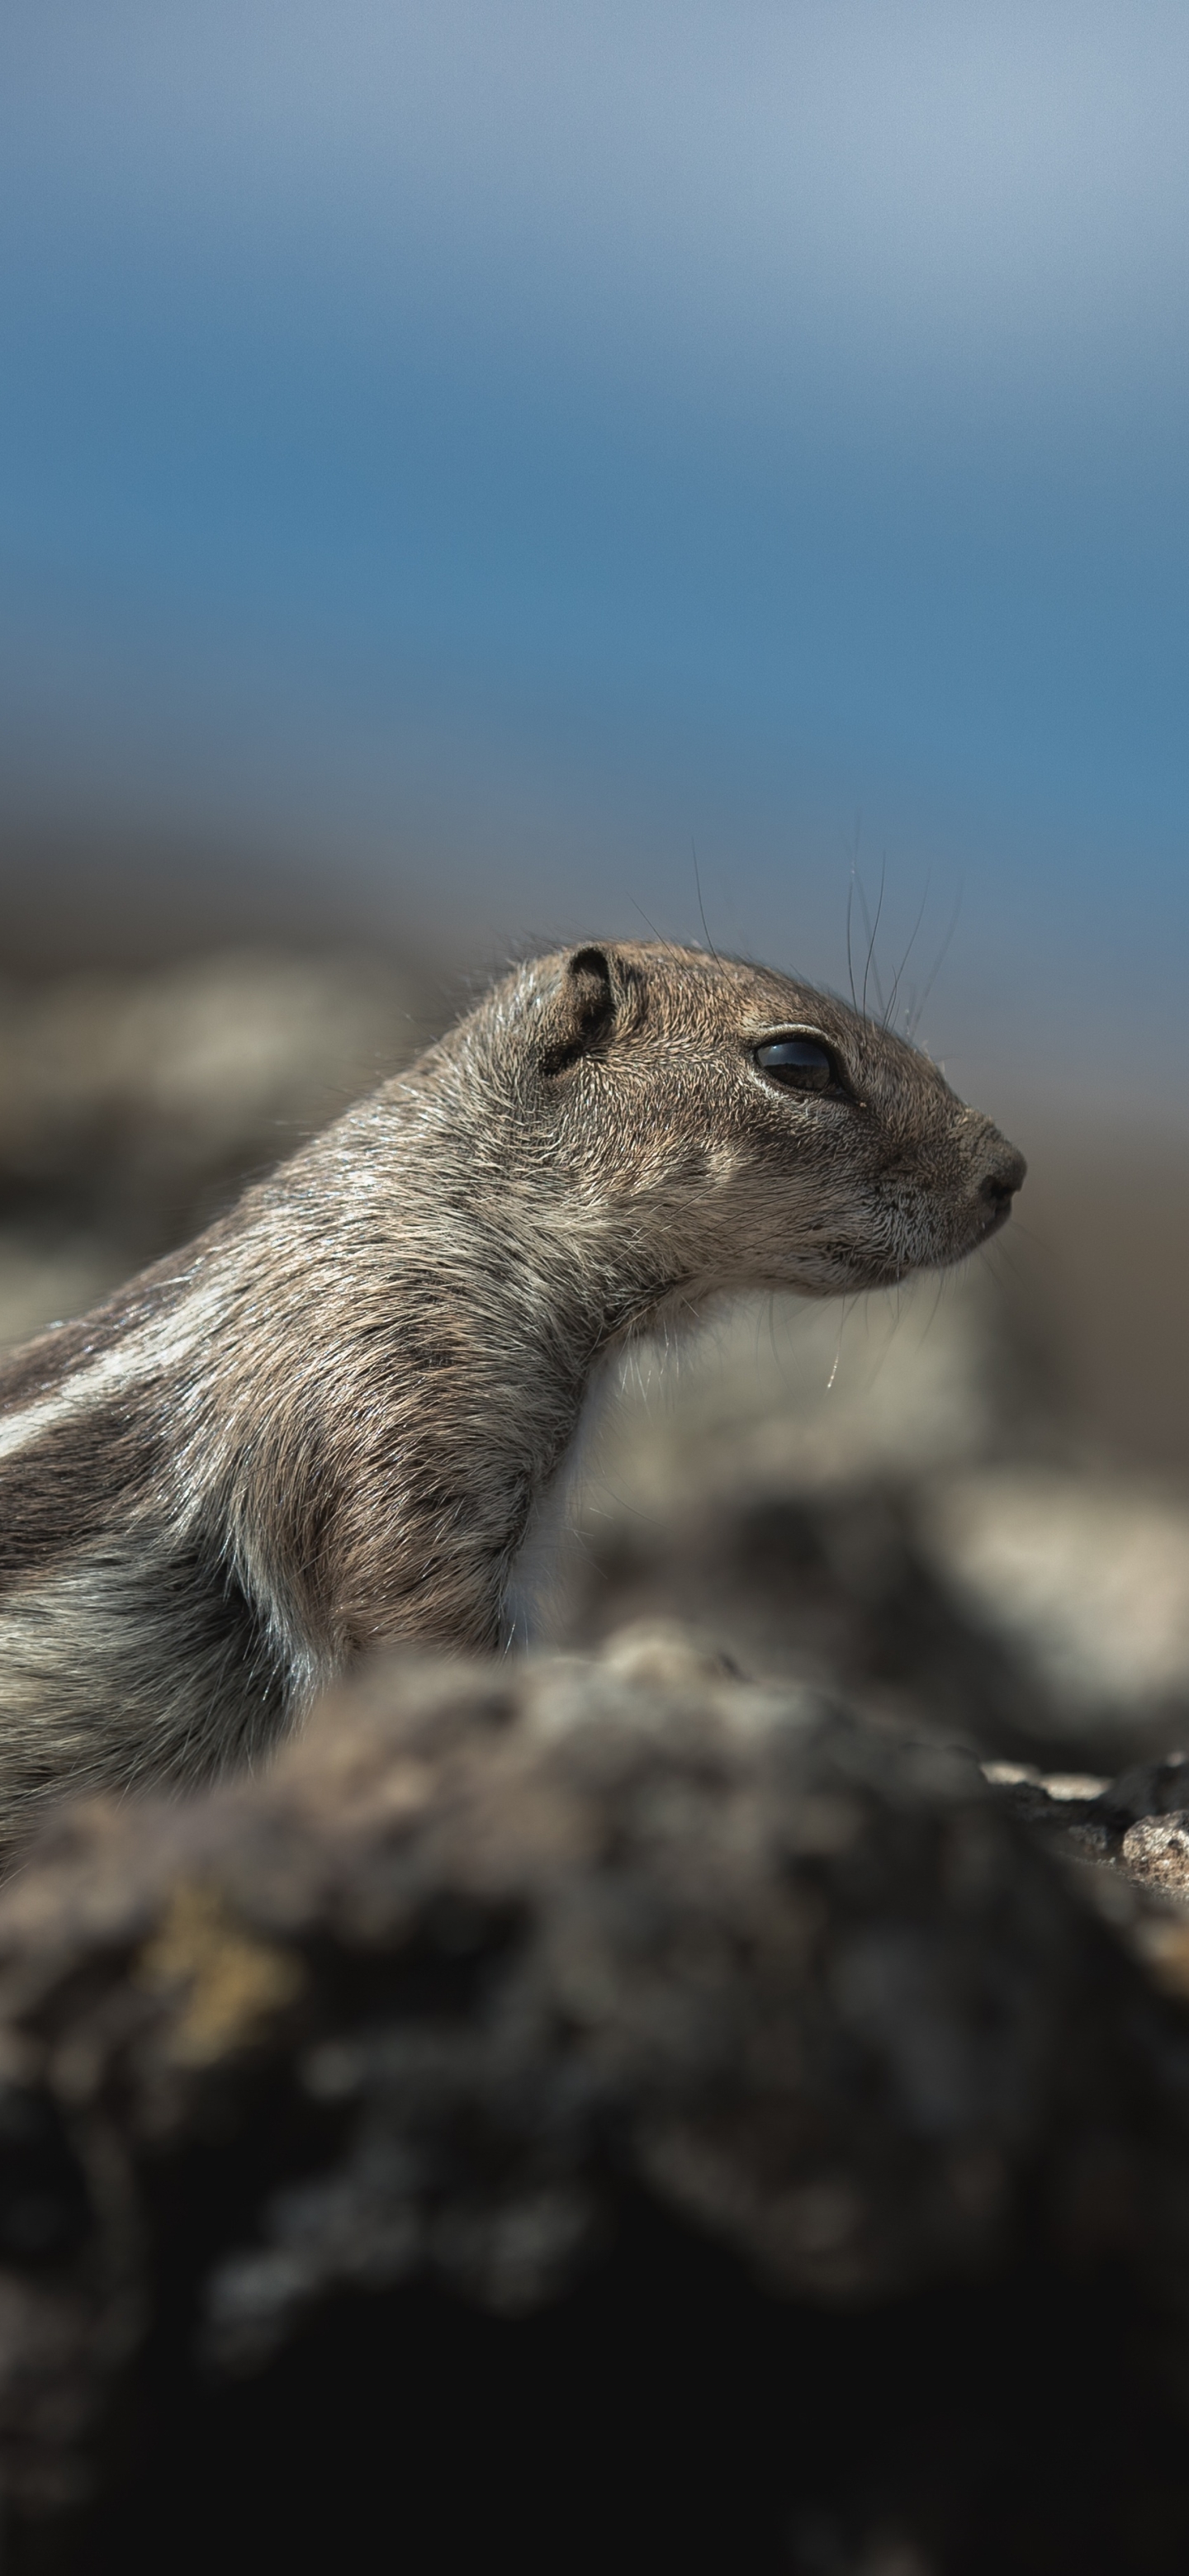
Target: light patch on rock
[
  {"x": 1086, "y": 1578},
  {"x": 1156, "y": 1850}
]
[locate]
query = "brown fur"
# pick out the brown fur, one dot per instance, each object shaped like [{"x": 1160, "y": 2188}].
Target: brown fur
[{"x": 325, "y": 1423}]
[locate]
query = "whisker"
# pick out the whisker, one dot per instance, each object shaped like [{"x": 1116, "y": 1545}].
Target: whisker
[
  {"x": 701, "y": 906},
  {"x": 898, "y": 977},
  {"x": 939, "y": 962},
  {"x": 651, "y": 925},
  {"x": 850, "y": 905},
  {"x": 871, "y": 970},
  {"x": 942, "y": 1285}
]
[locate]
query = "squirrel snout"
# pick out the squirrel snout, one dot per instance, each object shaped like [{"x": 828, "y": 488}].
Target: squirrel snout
[{"x": 1002, "y": 1179}]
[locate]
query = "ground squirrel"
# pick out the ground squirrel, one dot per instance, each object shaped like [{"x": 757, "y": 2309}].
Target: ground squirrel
[{"x": 323, "y": 1425}]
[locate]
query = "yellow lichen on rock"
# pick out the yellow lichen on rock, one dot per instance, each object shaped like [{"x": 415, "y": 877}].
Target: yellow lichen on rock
[{"x": 229, "y": 1981}]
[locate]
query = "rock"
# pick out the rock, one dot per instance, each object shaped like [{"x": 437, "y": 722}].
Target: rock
[
  {"x": 134, "y": 1105},
  {"x": 762, "y": 1482},
  {"x": 1148, "y": 1789},
  {"x": 510, "y": 1979},
  {"x": 1140, "y": 1879},
  {"x": 1157, "y": 1851},
  {"x": 921, "y": 1532},
  {"x": 1066, "y": 1802},
  {"x": 779, "y": 1396},
  {"x": 1078, "y": 1582}
]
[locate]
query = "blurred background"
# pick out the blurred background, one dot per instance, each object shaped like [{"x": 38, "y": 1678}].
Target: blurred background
[{"x": 518, "y": 469}]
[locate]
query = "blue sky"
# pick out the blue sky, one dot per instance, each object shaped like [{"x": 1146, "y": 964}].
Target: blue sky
[{"x": 483, "y": 448}]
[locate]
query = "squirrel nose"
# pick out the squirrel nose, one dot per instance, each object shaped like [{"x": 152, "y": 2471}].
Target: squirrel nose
[{"x": 998, "y": 1186}]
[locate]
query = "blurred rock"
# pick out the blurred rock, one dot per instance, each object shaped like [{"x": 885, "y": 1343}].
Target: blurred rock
[
  {"x": 893, "y": 1502},
  {"x": 1081, "y": 1583},
  {"x": 133, "y": 1106},
  {"x": 781, "y": 1394},
  {"x": 47, "y": 1274},
  {"x": 508, "y": 1967},
  {"x": 759, "y": 1479},
  {"x": 1149, "y": 1789}
]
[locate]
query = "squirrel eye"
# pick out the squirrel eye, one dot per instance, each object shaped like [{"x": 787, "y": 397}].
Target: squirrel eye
[{"x": 799, "y": 1064}]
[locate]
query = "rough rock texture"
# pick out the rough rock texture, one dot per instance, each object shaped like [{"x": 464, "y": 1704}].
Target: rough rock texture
[
  {"x": 588, "y": 2044},
  {"x": 1156, "y": 1850}
]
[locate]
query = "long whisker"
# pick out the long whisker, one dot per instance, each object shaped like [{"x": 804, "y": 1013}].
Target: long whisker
[
  {"x": 996, "y": 1257},
  {"x": 939, "y": 962},
  {"x": 651, "y": 925},
  {"x": 850, "y": 960},
  {"x": 898, "y": 977},
  {"x": 942, "y": 1284},
  {"x": 701, "y": 906},
  {"x": 871, "y": 970}
]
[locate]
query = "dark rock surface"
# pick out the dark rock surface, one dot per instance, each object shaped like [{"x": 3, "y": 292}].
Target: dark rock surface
[{"x": 585, "y": 2109}]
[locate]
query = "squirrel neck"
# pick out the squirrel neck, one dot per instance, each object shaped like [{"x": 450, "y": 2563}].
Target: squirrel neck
[{"x": 380, "y": 1446}]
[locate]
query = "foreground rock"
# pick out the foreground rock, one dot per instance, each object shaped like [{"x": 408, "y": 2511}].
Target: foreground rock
[{"x": 547, "y": 2067}]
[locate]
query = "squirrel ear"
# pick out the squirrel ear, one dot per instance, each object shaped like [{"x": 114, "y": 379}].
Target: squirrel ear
[{"x": 580, "y": 1011}]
